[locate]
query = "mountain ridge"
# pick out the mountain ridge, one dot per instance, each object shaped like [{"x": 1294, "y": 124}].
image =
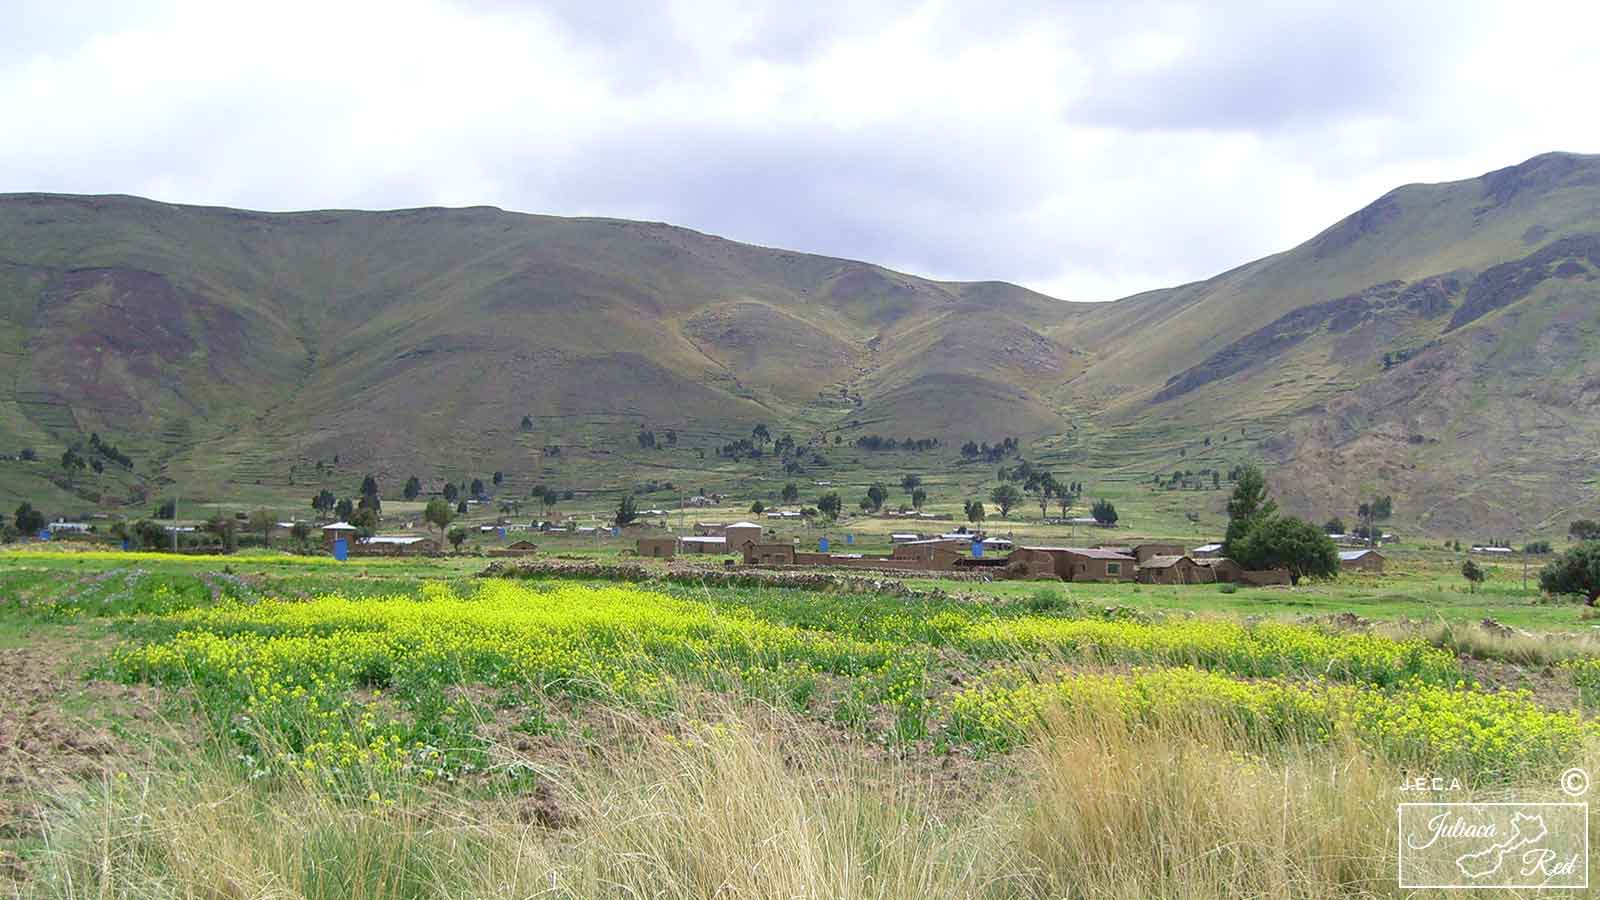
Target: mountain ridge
[{"x": 227, "y": 346}]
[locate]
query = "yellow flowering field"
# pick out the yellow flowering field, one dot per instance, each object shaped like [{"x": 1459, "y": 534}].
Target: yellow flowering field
[
  {"x": 1494, "y": 734},
  {"x": 378, "y": 681}
]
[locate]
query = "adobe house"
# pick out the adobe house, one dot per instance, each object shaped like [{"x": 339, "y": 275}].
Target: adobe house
[
  {"x": 515, "y": 548},
  {"x": 1145, "y": 551},
  {"x": 740, "y": 533},
  {"x": 1174, "y": 570},
  {"x": 702, "y": 544},
  {"x": 663, "y": 546},
  {"x": 1075, "y": 563},
  {"x": 1230, "y": 572},
  {"x": 395, "y": 545},
  {"x": 709, "y": 529},
  {"x": 1370, "y": 561},
  {"x": 773, "y": 553},
  {"x": 339, "y": 531},
  {"x": 927, "y": 549},
  {"x": 1265, "y": 577},
  {"x": 1223, "y": 569}
]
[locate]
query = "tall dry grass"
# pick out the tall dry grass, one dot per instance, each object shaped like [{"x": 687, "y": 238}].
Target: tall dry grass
[{"x": 758, "y": 804}]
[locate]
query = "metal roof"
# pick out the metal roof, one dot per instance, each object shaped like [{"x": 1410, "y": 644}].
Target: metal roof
[{"x": 1091, "y": 552}]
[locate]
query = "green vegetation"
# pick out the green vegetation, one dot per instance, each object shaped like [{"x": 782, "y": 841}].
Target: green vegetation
[
  {"x": 1576, "y": 572},
  {"x": 666, "y": 734}
]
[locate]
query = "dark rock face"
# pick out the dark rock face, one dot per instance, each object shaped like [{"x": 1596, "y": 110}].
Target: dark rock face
[
  {"x": 1502, "y": 285},
  {"x": 1428, "y": 297},
  {"x": 1537, "y": 175},
  {"x": 1369, "y": 220}
]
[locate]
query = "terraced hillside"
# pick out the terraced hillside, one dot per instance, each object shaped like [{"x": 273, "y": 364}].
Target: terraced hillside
[{"x": 1439, "y": 345}]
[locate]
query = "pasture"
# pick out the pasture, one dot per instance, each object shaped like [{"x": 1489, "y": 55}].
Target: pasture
[{"x": 292, "y": 726}]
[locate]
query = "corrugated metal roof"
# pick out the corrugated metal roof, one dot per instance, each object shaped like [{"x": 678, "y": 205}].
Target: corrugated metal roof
[
  {"x": 1161, "y": 562},
  {"x": 1091, "y": 552}
]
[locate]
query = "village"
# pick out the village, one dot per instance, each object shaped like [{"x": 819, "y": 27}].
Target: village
[{"x": 961, "y": 552}]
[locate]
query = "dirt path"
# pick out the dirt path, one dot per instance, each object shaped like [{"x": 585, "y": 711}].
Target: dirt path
[{"x": 59, "y": 731}]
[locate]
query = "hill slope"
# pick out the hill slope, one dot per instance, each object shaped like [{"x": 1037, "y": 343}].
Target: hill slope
[
  {"x": 1439, "y": 345},
  {"x": 231, "y": 345}
]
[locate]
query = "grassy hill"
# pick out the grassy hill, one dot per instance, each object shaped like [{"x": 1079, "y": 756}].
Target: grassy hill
[{"x": 1438, "y": 345}]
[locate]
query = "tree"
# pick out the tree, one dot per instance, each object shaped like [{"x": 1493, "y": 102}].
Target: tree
[
  {"x": 758, "y": 507},
  {"x": 791, "y": 492},
  {"x": 28, "y": 519},
  {"x": 876, "y": 494},
  {"x": 1104, "y": 512},
  {"x": 413, "y": 488},
  {"x": 71, "y": 461},
  {"x": 1005, "y": 496},
  {"x": 300, "y": 531},
  {"x": 1248, "y": 505},
  {"x": 168, "y": 509},
  {"x": 829, "y": 505},
  {"x": 974, "y": 510},
  {"x": 451, "y": 492},
  {"x": 1584, "y": 530},
  {"x": 457, "y": 536},
  {"x": 910, "y": 483},
  {"x": 761, "y": 434},
  {"x": 918, "y": 497},
  {"x": 366, "y": 522},
  {"x": 461, "y": 508},
  {"x": 1372, "y": 512},
  {"x": 1042, "y": 484},
  {"x": 1474, "y": 575},
  {"x": 262, "y": 521},
  {"x": 1288, "y": 543},
  {"x": 439, "y": 515},
  {"x": 150, "y": 536},
  {"x": 1575, "y": 572},
  {"x": 28, "y": 454},
  {"x": 1065, "y": 497},
  {"x": 344, "y": 509},
  {"x": 527, "y": 423},
  {"x": 323, "y": 502},
  {"x": 1334, "y": 525},
  {"x": 222, "y": 528},
  {"x": 369, "y": 486},
  {"x": 477, "y": 488},
  {"x": 627, "y": 510}
]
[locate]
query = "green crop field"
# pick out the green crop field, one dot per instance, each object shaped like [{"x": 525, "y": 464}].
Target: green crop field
[{"x": 298, "y": 726}]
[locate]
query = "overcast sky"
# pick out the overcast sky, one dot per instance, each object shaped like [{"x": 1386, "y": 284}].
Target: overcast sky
[{"x": 1088, "y": 150}]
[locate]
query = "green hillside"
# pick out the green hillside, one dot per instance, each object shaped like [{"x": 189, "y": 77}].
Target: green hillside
[{"x": 1438, "y": 345}]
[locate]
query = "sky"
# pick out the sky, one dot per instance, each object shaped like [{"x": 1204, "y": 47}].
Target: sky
[{"x": 1087, "y": 150}]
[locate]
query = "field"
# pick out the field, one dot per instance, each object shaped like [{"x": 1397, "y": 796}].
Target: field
[{"x": 270, "y": 725}]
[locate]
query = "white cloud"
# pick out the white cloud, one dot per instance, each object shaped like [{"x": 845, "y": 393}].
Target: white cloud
[{"x": 1090, "y": 151}]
